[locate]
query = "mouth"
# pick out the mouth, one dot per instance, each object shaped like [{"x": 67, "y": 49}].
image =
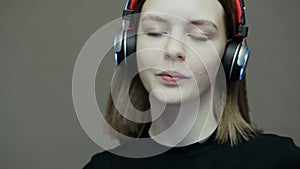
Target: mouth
[{"x": 171, "y": 77}]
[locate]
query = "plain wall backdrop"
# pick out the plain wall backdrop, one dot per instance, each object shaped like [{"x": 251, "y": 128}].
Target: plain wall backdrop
[{"x": 41, "y": 39}]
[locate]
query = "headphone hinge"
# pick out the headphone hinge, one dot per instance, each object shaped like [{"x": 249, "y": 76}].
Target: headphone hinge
[
  {"x": 126, "y": 14},
  {"x": 243, "y": 31}
]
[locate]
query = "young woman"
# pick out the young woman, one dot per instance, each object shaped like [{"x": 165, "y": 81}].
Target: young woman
[{"x": 183, "y": 109}]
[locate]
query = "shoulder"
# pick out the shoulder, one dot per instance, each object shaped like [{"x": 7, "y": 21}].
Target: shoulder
[
  {"x": 93, "y": 163},
  {"x": 272, "y": 149},
  {"x": 273, "y": 141},
  {"x": 104, "y": 159}
]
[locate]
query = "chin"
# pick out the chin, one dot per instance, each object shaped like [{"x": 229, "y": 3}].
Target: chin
[{"x": 173, "y": 96}]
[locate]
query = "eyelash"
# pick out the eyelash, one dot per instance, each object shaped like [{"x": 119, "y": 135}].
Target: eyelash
[
  {"x": 160, "y": 34},
  {"x": 155, "y": 34}
]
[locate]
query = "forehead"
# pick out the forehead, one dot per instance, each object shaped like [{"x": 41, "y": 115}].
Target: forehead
[{"x": 210, "y": 10}]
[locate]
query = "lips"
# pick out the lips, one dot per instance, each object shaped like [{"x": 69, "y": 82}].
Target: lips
[{"x": 171, "y": 77}]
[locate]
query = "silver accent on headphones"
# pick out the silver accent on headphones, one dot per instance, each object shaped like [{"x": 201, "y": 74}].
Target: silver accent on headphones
[
  {"x": 125, "y": 48},
  {"x": 234, "y": 58},
  {"x": 243, "y": 50}
]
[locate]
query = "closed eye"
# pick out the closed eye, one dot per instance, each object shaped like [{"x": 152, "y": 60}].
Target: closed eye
[
  {"x": 155, "y": 34},
  {"x": 199, "y": 38}
]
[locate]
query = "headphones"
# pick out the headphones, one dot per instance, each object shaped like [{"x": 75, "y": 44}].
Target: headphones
[{"x": 235, "y": 57}]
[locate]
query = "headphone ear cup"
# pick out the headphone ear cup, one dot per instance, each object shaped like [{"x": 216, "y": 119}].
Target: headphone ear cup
[
  {"x": 235, "y": 59},
  {"x": 241, "y": 61},
  {"x": 124, "y": 45}
]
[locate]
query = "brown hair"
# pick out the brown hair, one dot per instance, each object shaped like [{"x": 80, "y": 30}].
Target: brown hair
[{"x": 235, "y": 124}]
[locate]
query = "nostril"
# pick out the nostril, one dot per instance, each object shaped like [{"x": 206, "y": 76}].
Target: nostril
[
  {"x": 181, "y": 57},
  {"x": 174, "y": 55}
]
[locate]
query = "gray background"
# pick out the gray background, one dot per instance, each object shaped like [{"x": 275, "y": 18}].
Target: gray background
[{"x": 41, "y": 39}]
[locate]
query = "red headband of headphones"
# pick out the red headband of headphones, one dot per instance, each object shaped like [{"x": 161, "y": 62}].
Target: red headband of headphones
[
  {"x": 238, "y": 3},
  {"x": 132, "y": 4},
  {"x": 240, "y": 12}
]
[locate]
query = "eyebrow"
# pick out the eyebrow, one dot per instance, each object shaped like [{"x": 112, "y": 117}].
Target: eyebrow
[
  {"x": 203, "y": 22},
  {"x": 154, "y": 18}
]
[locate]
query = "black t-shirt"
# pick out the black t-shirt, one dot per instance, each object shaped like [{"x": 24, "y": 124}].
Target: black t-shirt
[{"x": 264, "y": 151}]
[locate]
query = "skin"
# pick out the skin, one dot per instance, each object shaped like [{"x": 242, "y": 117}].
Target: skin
[{"x": 186, "y": 37}]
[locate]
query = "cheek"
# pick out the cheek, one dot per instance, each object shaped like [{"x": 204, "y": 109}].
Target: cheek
[
  {"x": 206, "y": 61},
  {"x": 206, "y": 58},
  {"x": 148, "y": 57}
]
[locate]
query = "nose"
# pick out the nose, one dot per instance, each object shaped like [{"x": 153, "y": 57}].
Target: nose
[{"x": 174, "y": 50}]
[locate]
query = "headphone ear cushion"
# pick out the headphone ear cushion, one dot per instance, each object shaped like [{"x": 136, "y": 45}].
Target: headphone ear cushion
[
  {"x": 228, "y": 59},
  {"x": 130, "y": 42},
  {"x": 124, "y": 45}
]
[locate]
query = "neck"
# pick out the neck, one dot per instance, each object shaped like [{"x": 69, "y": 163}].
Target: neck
[{"x": 182, "y": 124}]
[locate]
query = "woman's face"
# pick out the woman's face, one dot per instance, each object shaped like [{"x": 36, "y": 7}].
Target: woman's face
[{"x": 179, "y": 46}]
